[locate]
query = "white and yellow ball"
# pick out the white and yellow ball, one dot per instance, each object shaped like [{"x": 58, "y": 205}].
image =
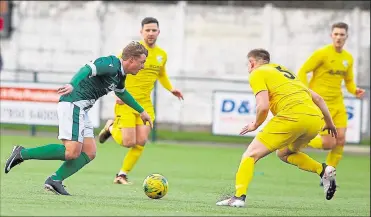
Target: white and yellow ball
[{"x": 155, "y": 186}]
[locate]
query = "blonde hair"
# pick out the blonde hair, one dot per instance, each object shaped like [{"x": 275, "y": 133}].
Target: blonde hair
[{"x": 133, "y": 49}]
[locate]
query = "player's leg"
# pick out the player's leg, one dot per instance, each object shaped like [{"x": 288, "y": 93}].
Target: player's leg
[
  {"x": 292, "y": 155},
  {"x": 276, "y": 134},
  {"x": 122, "y": 128},
  {"x": 82, "y": 155},
  {"x": 66, "y": 113},
  {"x": 255, "y": 151},
  {"x": 73, "y": 140},
  {"x": 324, "y": 140},
  {"x": 336, "y": 145},
  {"x": 336, "y": 153},
  {"x": 134, "y": 153}
]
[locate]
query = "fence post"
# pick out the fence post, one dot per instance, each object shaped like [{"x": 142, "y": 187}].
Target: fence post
[
  {"x": 33, "y": 127},
  {"x": 154, "y": 133}
]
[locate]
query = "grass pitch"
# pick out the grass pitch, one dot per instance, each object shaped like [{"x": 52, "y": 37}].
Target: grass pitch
[{"x": 198, "y": 176}]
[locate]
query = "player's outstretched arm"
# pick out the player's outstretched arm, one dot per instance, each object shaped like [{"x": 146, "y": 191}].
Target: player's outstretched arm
[{"x": 318, "y": 100}]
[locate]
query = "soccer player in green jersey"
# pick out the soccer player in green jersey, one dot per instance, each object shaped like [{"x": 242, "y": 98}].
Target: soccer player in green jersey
[{"x": 92, "y": 81}]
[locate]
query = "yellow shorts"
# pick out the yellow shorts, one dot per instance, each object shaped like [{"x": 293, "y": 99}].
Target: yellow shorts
[
  {"x": 126, "y": 117},
  {"x": 293, "y": 131},
  {"x": 339, "y": 116}
]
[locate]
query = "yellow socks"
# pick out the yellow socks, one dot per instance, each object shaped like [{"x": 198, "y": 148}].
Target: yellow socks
[
  {"x": 316, "y": 143},
  {"x": 244, "y": 175},
  {"x": 334, "y": 156},
  {"x": 131, "y": 158},
  {"x": 116, "y": 135},
  {"x": 305, "y": 162}
]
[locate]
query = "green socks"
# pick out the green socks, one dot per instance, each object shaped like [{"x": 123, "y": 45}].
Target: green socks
[
  {"x": 47, "y": 152},
  {"x": 56, "y": 152},
  {"x": 70, "y": 167}
]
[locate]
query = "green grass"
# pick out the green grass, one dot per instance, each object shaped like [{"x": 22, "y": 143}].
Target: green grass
[
  {"x": 198, "y": 176},
  {"x": 166, "y": 135}
]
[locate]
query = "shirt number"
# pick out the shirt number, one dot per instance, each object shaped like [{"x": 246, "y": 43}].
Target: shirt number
[{"x": 286, "y": 73}]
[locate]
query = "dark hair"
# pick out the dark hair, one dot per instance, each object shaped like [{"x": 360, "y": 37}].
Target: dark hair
[
  {"x": 149, "y": 20},
  {"x": 340, "y": 25},
  {"x": 133, "y": 49},
  {"x": 260, "y": 54}
]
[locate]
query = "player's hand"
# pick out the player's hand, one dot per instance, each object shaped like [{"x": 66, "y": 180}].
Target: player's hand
[
  {"x": 66, "y": 89},
  {"x": 331, "y": 129},
  {"x": 178, "y": 94},
  {"x": 360, "y": 93},
  {"x": 248, "y": 128},
  {"x": 146, "y": 118}
]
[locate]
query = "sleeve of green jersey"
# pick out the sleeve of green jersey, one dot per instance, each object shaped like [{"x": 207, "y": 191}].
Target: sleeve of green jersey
[
  {"x": 128, "y": 99},
  {"x": 102, "y": 66},
  {"x": 80, "y": 75}
]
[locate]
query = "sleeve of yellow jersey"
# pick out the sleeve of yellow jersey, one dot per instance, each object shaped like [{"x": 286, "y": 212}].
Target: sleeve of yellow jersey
[
  {"x": 311, "y": 64},
  {"x": 257, "y": 82},
  {"x": 349, "y": 79},
  {"x": 163, "y": 77}
]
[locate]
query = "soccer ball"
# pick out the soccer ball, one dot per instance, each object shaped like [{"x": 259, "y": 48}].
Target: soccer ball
[{"x": 155, "y": 186}]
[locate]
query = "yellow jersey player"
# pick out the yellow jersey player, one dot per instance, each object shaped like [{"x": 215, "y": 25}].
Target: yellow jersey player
[
  {"x": 128, "y": 129},
  {"x": 298, "y": 118},
  {"x": 331, "y": 65}
]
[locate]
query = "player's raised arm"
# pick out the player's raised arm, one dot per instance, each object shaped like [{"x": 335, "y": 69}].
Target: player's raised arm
[{"x": 313, "y": 62}]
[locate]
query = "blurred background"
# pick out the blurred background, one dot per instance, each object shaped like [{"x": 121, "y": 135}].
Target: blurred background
[{"x": 43, "y": 43}]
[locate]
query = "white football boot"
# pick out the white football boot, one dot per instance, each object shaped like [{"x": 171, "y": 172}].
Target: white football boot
[
  {"x": 233, "y": 201},
  {"x": 329, "y": 182}
]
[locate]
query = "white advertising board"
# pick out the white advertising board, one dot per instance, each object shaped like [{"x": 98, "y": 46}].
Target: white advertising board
[
  {"x": 34, "y": 104},
  {"x": 233, "y": 110}
]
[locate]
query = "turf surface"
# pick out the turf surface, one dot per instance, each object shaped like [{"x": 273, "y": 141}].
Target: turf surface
[{"x": 198, "y": 176}]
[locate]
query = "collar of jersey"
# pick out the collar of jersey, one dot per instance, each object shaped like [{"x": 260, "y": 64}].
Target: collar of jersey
[{"x": 122, "y": 69}]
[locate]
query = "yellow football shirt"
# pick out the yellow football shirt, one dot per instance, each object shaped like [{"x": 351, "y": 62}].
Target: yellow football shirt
[
  {"x": 286, "y": 92},
  {"x": 329, "y": 69},
  {"x": 141, "y": 85}
]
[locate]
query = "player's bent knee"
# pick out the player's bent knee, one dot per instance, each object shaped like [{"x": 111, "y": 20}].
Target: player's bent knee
[
  {"x": 256, "y": 150},
  {"x": 91, "y": 155},
  {"x": 142, "y": 142},
  {"x": 329, "y": 143},
  {"x": 73, "y": 149},
  {"x": 340, "y": 141},
  {"x": 72, "y": 154},
  {"x": 283, "y": 154},
  {"x": 128, "y": 143}
]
